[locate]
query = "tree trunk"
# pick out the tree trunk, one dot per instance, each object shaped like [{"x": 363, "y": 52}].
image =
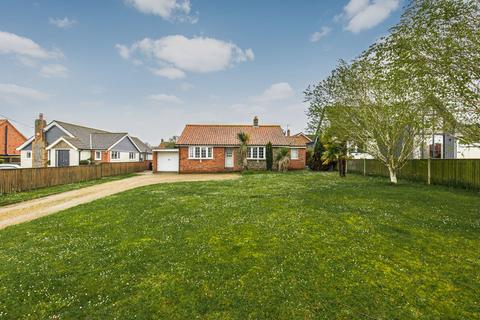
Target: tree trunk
[
  {"x": 341, "y": 167},
  {"x": 393, "y": 174}
]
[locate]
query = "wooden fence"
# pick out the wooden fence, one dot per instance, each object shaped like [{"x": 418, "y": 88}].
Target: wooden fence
[
  {"x": 450, "y": 172},
  {"x": 16, "y": 180}
]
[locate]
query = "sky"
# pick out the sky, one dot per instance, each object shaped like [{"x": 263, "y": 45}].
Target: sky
[{"x": 148, "y": 67}]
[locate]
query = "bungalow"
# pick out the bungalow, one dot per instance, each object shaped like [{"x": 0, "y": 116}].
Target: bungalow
[
  {"x": 216, "y": 148},
  {"x": 10, "y": 139},
  {"x": 62, "y": 144}
]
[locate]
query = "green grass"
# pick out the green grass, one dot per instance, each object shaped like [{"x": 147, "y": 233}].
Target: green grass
[
  {"x": 11, "y": 198},
  {"x": 266, "y": 246}
]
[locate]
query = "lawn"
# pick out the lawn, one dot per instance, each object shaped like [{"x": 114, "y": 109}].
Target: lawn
[
  {"x": 10, "y": 198},
  {"x": 267, "y": 246}
]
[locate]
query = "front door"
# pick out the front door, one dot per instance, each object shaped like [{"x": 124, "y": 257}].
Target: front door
[
  {"x": 229, "y": 163},
  {"x": 63, "y": 158}
]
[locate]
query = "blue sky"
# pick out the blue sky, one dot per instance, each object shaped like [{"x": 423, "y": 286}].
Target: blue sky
[{"x": 150, "y": 66}]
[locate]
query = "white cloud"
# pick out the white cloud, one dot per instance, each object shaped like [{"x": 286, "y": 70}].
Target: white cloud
[
  {"x": 165, "y": 99},
  {"x": 123, "y": 51},
  {"x": 366, "y": 14},
  {"x": 167, "y": 9},
  {"x": 169, "y": 72},
  {"x": 13, "y": 44},
  {"x": 276, "y": 92},
  {"x": 198, "y": 54},
  {"x": 13, "y": 93},
  {"x": 62, "y": 23},
  {"x": 54, "y": 71},
  {"x": 317, "y": 36}
]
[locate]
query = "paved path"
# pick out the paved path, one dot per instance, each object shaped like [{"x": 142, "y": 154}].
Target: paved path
[{"x": 33, "y": 209}]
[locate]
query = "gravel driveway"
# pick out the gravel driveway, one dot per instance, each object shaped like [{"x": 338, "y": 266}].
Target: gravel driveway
[{"x": 30, "y": 210}]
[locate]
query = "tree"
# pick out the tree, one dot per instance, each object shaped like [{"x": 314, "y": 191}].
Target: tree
[
  {"x": 315, "y": 163},
  {"x": 335, "y": 151},
  {"x": 244, "y": 138},
  {"x": 283, "y": 159},
  {"x": 269, "y": 156},
  {"x": 440, "y": 45}
]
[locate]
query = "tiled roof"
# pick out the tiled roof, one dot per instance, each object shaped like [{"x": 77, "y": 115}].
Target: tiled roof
[
  {"x": 226, "y": 135},
  {"x": 297, "y": 141},
  {"x": 140, "y": 144},
  {"x": 104, "y": 140},
  {"x": 77, "y": 143}
]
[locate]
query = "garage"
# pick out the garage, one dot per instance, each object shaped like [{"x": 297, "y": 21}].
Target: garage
[{"x": 167, "y": 160}]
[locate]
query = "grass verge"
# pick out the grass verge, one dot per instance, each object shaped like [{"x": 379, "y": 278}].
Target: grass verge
[{"x": 267, "y": 246}]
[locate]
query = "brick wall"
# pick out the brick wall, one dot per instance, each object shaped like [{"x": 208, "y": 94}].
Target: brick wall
[
  {"x": 301, "y": 162},
  {"x": 217, "y": 164},
  {"x": 14, "y": 139}
]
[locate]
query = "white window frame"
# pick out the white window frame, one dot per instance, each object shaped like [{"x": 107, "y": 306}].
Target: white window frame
[
  {"x": 131, "y": 156},
  {"x": 253, "y": 153},
  {"x": 296, "y": 152},
  {"x": 28, "y": 155},
  {"x": 117, "y": 155},
  {"x": 200, "y": 153},
  {"x": 100, "y": 155}
]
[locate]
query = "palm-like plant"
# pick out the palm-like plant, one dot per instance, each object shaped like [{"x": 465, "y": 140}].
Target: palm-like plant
[
  {"x": 283, "y": 159},
  {"x": 335, "y": 151},
  {"x": 244, "y": 138}
]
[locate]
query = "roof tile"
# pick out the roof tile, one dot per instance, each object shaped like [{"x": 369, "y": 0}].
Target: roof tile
[{"x": 226, "y": 135}]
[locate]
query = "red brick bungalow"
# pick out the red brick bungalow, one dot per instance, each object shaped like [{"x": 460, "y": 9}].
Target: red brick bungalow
[{"x": 216, "y": 148}]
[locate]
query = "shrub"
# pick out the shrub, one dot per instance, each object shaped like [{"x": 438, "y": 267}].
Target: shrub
[
  {"x": 283, "y": 159},
  {"x": 84, "y": 162},
  {"x": 269, "y": 156}
]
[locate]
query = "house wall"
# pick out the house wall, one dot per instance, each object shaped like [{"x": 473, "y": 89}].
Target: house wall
[
  {"x": 53, "y": 134},
  {"x": 301, "y": 162},
  {"x": 74, "y": 156},
  {"x": 14, "y": 139},
  {"x": 125, "y": 145},
  {"x": 217, "y": 164},
  {"x": 124, "y": 157},
  {"x": 24, "y": 161},
  {"x": 468, "y": 151},
  {"x": 85, "y": 155}
]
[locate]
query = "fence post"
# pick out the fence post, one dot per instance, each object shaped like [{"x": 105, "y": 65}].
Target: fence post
[{"x": 364, "y": 166}]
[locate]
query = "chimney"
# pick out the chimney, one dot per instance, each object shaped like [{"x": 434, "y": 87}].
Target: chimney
[
  {"x": 255, "y": 122},
  {"x": 288, "y": 132},
  {"x": 39, "y": 144}
]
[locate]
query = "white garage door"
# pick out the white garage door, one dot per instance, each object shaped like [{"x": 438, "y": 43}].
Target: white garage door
[{"x": 167, "y": 161}]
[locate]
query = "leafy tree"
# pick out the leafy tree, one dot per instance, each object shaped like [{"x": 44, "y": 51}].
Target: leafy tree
[
  {"x": 269, "y": 156},
  {"x": 244, "y": 138},
  {"x": 315, "y": 162},
  {"x": 439, "y": 43}
]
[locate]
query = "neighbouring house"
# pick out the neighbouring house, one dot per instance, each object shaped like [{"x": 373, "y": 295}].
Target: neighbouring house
[
  {"x": 309, "y": 139},
  {"x": 145, "y": 149},
  {"x": 434, "y": 146},
  {"x": 10, "y": 140},
  {"x": 62, "y": 144},
  {"x": 215, "y": 148}
]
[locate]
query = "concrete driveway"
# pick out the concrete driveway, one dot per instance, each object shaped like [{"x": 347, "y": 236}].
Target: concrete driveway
[{"x": 33, "y": 209}]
